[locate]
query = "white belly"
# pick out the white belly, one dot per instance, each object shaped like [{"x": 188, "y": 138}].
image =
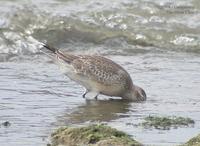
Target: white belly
[{"x": 93, "y": 86}]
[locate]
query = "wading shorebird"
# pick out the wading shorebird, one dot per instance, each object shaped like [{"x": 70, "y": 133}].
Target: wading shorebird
[{"x": 98, "y": 75}]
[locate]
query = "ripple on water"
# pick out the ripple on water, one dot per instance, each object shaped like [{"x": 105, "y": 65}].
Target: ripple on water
[{"x": 44, "y": 99}]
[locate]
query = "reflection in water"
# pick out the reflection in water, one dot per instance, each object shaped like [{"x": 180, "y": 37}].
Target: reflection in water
[{"x": 97, "y": 110}]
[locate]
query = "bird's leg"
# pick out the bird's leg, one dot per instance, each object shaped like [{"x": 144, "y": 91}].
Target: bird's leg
[
  {"x": 86, "y": 91},
  {"x": 96, "y": 96}
]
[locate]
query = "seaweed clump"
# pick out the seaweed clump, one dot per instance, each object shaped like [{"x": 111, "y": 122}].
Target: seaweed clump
[
  {"x": 165, "y": 123},
  {"x": 93, "y": 135}
]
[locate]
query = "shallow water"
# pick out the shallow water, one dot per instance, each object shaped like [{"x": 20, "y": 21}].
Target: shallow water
[{"x": 155, "y": 42}]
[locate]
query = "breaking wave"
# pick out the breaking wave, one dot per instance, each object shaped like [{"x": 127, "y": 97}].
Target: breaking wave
[{"x": 104, "y": 27}]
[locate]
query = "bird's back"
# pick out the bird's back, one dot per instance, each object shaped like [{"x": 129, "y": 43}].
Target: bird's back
[
  {"x": 92, "y": 67},
  {"x": 101, "y": 70}
]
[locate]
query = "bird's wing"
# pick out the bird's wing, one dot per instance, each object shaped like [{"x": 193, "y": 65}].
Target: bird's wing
[{"x": 100, "y": 69}]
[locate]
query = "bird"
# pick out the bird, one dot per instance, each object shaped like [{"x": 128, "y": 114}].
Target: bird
[{"x": 98, "y": 75}]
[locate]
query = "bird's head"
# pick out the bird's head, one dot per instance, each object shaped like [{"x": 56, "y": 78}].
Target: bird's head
[{"x": 135, "y": 94}]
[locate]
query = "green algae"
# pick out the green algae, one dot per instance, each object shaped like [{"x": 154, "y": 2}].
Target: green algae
[
  {"x": 93, "y": 135},
  {"x": 165, "y": 123},
  {"x": 195, "y": 141}
]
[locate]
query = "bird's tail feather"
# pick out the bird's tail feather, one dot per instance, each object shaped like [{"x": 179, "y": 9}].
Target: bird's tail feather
[
  {"x": 54, "y": 50},
  {"x": 64, "y": 56}
]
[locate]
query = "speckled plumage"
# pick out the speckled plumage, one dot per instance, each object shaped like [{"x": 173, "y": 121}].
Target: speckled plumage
[
  {"x": 101, "y": 70},
  {"x": 97, "y": 74}
]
